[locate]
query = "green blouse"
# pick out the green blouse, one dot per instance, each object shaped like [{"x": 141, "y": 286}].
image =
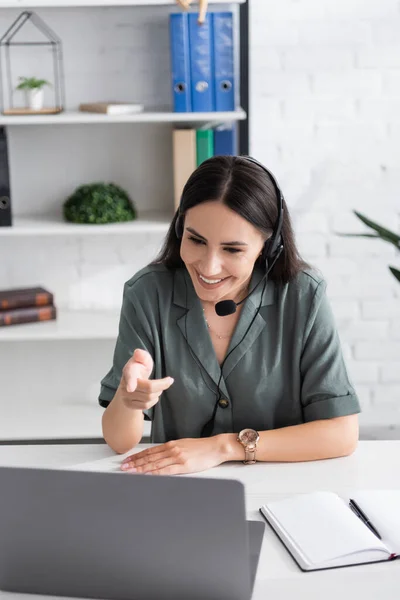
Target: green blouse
[{"x": 287, "y": 367}]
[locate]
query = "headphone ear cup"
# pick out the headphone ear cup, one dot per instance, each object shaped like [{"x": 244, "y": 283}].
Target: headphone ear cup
[
  {"x": 266, "y": 249},
  {"x": 274, "y": 244},
  {"x": 271, "y": 252}
]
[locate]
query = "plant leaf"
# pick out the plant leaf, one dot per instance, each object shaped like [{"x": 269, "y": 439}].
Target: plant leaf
[
  {"x": 368, "y": 235},
  {"x": 385, "y": 234},
  {"x": 395, "y": 272}
]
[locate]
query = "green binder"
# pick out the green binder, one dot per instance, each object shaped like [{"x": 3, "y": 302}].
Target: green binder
[{"x": 204, "y": 145}]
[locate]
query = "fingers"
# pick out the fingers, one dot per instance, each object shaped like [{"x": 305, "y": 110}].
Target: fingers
[
  {"x": 143, "y": 358},
  {"x": 142, "y": 458},
  {"x": 184, "y": 3},
  {"x": 164, "y": 467},
  {"x": 162, "y": 462},
  {"x": 168, "y": 470},
  {"x": 139, "y": 366},
  {"x": 202, "y": 11},
  {"x": 142, "y": 394},
  {"x": 160, "y": 448},
  {"x": 154, "y": 386}
]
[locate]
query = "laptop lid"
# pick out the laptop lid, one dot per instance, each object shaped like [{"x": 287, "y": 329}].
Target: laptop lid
[{"x": 120, "y": 536}]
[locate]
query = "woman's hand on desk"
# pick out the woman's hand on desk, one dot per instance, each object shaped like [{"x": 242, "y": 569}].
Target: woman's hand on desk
[
  {"x": 138, "y": 391},
  {"x": 177, "y": 457}
]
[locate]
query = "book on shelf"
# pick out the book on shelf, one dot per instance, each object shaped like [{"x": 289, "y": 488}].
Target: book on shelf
[
  {"x": 203, "y": 68},
  {"x": 190, "y": 147},
  {"x": 322, "y": 530},
  {"x": 25, "y": 297},
  {"x": 204, "y": 145},
  {"x": 180, "y": 68},
  {"x": 225, "y": 140},
  {"x": 224, "y": 61},
  {"x": 111, "y": 108},
  {"x": 184, "y": 159},
  {"x": 201, "y": 63},
  {"x": 29, "y": 314},
  {"x": 5, "y": 191}
]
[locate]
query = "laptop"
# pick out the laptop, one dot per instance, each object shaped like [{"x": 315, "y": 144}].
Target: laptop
[{"x": 125, "y": 536}]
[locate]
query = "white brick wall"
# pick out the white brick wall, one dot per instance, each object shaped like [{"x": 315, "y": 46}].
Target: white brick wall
[{"x": 331, "y": 95}]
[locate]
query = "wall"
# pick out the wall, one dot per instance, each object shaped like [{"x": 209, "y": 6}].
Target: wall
[
  {"x": 325, "y": 87},
  {"x": 325, "y": 114}
]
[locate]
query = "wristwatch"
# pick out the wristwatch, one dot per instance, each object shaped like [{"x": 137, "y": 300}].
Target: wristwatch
[{"x": 249, "y": 439}]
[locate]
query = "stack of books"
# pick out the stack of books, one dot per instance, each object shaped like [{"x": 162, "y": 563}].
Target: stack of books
[
  {"x": 203, "y": 62},
  {"x": 190, "y": 147},
  {"x": 26, "y": 305},
  {"x": 111, "y": 108}
]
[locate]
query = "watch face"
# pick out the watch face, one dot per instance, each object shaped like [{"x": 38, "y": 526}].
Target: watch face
[{"x": 248, "y": 436}]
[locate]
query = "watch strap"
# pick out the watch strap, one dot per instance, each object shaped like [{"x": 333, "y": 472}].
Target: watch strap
[{"x": 249, "y": 455}]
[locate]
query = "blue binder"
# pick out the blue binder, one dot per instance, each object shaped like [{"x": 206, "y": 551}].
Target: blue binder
[
  {"x": 201, "y": 63},
  {"x": 224, "y": 64},
  {"x": 180, "y": 65},
  {"x": 225, "y": 140}
]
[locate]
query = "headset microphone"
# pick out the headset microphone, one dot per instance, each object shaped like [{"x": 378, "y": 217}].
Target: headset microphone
[
  {"x": 273, "y": 246},
  {"x": 225, "y": 308},
  {"x": 228, "y": 307}
]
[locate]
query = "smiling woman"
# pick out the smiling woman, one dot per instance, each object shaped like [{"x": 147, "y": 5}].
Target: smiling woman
[
  {"x": 263, "y": 377},
  {"x": 220, "y": 263}
]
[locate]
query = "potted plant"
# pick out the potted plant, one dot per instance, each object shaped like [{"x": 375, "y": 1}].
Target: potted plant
[
  {"x": 99, "y": 203},
  {"x": 33, "y": 88},
  {"x": 379, "y": 233}
]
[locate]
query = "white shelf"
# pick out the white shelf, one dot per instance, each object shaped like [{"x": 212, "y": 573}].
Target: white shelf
[
  {"x": 60, "y": 421},
  {"x": 47, "y": 422},
  {"x": 83, "y": 3},
  {"x": 76, "y": 117},
  {"x": 69, "y": 325},
  {"x": 49, "y": 225}
]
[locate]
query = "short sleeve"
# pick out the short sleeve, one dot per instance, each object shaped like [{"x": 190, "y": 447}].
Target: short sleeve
[
  {"x": 134, "y": 332},
  {"x": 326, "y": 391}
]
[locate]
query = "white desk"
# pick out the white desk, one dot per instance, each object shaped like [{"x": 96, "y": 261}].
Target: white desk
[{"x": 375, "y": 464}]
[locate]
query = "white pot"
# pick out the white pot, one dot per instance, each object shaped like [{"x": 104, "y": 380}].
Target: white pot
[{"x": 34, "y": 98}]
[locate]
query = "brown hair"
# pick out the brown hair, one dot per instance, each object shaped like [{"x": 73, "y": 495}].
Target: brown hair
[{"x": 246, "y": 189}]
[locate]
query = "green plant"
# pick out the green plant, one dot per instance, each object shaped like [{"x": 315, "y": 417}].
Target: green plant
[
  {"x": 99, "y": 203},
  {"x": 31, "y": 83},
  {"x": 380, "y": 233}
]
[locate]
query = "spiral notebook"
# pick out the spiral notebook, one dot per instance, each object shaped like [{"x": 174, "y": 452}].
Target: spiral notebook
[{"x": 322, "y": 531}]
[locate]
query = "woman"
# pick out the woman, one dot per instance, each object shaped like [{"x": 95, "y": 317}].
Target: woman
[{"x": 266, "y": 382}]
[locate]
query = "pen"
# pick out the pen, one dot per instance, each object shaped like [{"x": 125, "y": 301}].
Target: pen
[{"x": 357, "y": 510}]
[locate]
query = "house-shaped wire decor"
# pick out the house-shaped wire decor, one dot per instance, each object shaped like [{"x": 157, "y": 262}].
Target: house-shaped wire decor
[{"x": 8, "y": 82}]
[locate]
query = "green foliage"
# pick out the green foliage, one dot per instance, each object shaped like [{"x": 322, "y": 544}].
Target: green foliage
[
  {"x": 380, "y": 233},
  {"x": 99, "y": 203},
  {"x": 395, "y": 272},
  {"x": 31, "y": 83}
]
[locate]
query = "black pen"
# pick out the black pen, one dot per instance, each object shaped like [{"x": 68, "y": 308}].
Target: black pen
[{"x": 357, "y": 510}]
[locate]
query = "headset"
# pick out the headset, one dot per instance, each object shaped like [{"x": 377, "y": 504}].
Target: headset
[{"x": 272, "y": 250}]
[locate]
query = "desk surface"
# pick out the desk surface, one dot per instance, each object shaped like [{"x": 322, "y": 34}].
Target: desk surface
[{"x": 375, "y": 464}]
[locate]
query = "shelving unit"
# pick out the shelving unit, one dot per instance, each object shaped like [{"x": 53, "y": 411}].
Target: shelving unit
[
  {"x": 88, "y": 3},
  {"x": 69, "y": 325},
  {"x": 73, "y": 423},
  {"x": 88, "y": 332},
  {"x": 160, "y": 116},
  {"x": 50, "y": 225}
]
